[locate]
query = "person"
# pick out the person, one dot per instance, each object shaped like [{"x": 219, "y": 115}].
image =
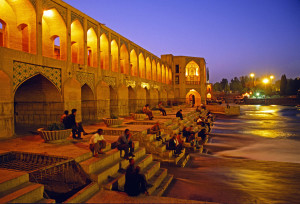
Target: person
[
  {"x": 156, "y": 130},
  {"x": 148, "y": 112},
  {"x": 135, "y": 183},
  {"x": 203, "y": 135},
  {"x": 71, "y": 124},
  {"x": 63, "y": 118},
  {"x": 97, "y": 143},
  {"x": 162, "y": 109},
  {"x": 185, "y": 133},
  {"x": 174, "y": 145},
  {"x": 197, "y": 109},
  {"x": 125, "y": 143},
  {"x": 179, "y": 114}
]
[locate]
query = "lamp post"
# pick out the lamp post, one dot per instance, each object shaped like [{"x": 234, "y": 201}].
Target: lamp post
[
  {"x": 265, "y": 81},
  {"x": 252, "y": 77}
]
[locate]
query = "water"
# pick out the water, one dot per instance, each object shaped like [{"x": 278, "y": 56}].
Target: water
[{"x": 255, "y": 159}]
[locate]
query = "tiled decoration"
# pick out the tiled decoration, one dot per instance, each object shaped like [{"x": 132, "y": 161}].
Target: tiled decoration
[
  {"x": 23, "y": 71},
  {"x": 86, "y": 78}
]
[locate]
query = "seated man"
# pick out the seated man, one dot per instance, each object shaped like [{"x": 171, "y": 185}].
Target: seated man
[
  {"x": 203, "y": 135},
  {"x": 179, "y": 114},
  {"x": 148, "y": 112},
  {"x": 162, "y": 109},
  {"x": 156, "y": 130},
  {"x": 125, "y": 143},
  {"x": 174, "y": 145},
  {"x": 97, "y": 143}
]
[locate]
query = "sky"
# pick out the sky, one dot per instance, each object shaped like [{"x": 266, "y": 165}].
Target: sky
[{"x": 236, "y": 37}]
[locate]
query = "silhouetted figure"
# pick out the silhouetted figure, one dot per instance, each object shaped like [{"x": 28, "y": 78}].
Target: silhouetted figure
[
  {"x": 125, "y": 143},
  {"x": 179, "y": 114},
  {"x": 162, "y": 109}
]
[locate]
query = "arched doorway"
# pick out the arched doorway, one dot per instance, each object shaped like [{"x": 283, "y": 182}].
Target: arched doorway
[
  {"x": 37, "y": 103},
  {"x": 132, "y": 107},
  {"x": 193, "y": 98},
  {"x": 113, "y": 102},
  {"x": 88, "y": 104}
]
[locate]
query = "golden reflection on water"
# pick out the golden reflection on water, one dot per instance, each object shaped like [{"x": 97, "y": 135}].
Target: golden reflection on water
[{"x": 265, "y": 121}]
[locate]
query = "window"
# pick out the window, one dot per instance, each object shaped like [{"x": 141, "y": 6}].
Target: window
[
  {"x": 89, "y": 53},
  {"x": 56, "y": 47},
  {"x": 176, "y": 79},
  {"x": 2, "y": 33},
  {"x": 25, "y": 37},
  {"x": 177, "y": 68}
]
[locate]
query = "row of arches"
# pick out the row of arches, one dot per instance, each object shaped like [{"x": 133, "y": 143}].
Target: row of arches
[
  {"x": 103, "y": 101},
  {"x": 18, "y": 31}
]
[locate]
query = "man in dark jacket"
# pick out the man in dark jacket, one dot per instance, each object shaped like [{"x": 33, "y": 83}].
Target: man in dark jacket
[
  {"x": 125, "y": 143},
  {"x": 71, "y": 123}
]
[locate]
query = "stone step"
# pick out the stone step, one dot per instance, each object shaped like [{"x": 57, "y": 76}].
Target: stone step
[
  {"x": 149, "y": 137},
  {"x": 167, "y": 154},
  {"x": 161, "y": 148},
  {"x": 11, "y": 179},
  {"x": 117, "y": 181},
  {"x": 84, "y": 194},
  {"x": 24, "y": 193},
  {"x": 44, "y": 200},
  {"x": 156, "y": 179},
  {"x": 139, "y": 153},
  {"x": 93, "y": 164},
  {"x": 183, "y": 161},
  {"x": 163, "y": 186},
  {"x": 151, "y": 169}
]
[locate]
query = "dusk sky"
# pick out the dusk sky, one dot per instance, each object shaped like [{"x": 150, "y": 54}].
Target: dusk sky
[{"x": 235, "y": 37}]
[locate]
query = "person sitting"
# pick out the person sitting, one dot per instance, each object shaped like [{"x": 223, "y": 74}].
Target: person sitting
[
  {"x": 135, "y": 183},
  {"x": 203, "y": 135},
  {"x": 125, "y": 143},
  {"x": 156, "y": 130},
  {"x": 97, "y": 143},
  {"x": 179, "y": 114},
  {"x": 185, "y": 133},
  {"x": 162, "y": 109},
  {"x": 71, "y": 124},
  {"x": 148, "y": 112},
  {"x": 174, "y": 145}
]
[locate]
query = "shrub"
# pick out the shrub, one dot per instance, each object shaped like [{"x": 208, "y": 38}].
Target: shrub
[{"x": 55, "y": 126}]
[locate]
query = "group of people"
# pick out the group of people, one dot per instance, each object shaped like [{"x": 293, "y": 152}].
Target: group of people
[
  {"x": 148, "y": 112},
  {"x": 176, "y": 143},
  {"x": 69, "y": 122}
]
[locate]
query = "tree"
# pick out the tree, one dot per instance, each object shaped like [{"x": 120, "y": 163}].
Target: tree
[
  {"x": 283, "y": 85},
  {"x": 236, "y": 85},
  {"x": 217, "y": 87},
  {"x": 224, "y": 85}
]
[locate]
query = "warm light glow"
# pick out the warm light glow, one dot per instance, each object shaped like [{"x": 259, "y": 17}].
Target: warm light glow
[
  {"x": 265, "y": 80},
  {"x": 48, "y": 13},
  {"x": 252, "y": 75},
  {"x": 272, "y": 77},
  {"x": 246, "y": 95},
  {"x": 250, "y": 92},
  {"x": 257, "y": 94}
]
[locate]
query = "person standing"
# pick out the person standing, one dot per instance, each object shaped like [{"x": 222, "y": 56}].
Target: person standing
[
  {"x": 63, "y": 118},
  {"x": 71, "y": 123},
  {"x": 97, "y": 143}
]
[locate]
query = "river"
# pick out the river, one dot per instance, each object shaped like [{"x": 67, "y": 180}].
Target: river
[{"x": 252, "y": 158}]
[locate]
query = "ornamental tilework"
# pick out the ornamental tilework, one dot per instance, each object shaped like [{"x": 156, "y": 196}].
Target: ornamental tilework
[
  {"x": 110, "y": 80},
  {"x": 23, "y": 71},
  {"x": 86, "y": 78}
]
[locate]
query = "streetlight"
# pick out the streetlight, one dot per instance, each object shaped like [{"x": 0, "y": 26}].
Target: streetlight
[
  {"x": 272, "y": 77},
  {"x": 265, "y": 81},
  {"x": 252, "y": 76}
]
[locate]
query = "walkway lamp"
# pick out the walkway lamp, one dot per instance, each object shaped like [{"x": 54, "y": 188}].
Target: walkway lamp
[
  {"x": 252, "y": 75},
  {"x": 265, "y": 81}
]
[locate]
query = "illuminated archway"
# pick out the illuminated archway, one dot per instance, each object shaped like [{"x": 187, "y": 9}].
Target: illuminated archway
[
  {"x": 92, "y": 48},
  {"x": 20, "y": 25},
  {"x": 77, "y": 45},
  {"x": 124, "y": 59},
  {"x": 88, "y": 104},
  {"x": 163, "y": 74},
  {"x": 193, "y": 98},
  {"x": 37, "y": 102},
  {"x": 158, "y": 72},
  {"x": 170, "y": 76},
  {"x": 167, "y": 75},
  {"x": 192, "y": 73},
  {"x": 104, "y": 52},
  {"x": 132, "y": 100},
  {"x": 142, "y": 65},
  {"x": 114, "y": 56},
  {"x": 208, "y": 95},
  {"x": 148, "y": 68},
  {"x": 153, "y": 70},
  {"x": 133, "y": 63},
  {"x": 3, "y": 34},
  {"x": 54, "y": 35},
  {"x": 113, "y": 102}
]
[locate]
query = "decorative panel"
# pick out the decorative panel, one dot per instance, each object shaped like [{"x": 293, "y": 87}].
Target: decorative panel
[
  {"x": 114, "y": 37},
  {"x": 92, "y": 25},
  {"x": 86, "y": 78},
  {"x": 124, "y": 42},
  {"x": 48, "y": 4},
  {"x": 102, "y": 30},
  {"x": 23, "y": 71},
  {"x": 75, "y": 16},
  {"x": 110, "y": 80}
]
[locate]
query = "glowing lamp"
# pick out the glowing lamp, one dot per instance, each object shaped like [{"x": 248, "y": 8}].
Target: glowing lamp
[
  {"x": 265, "y": 80},
  {"x": 252, "y": 75},
  {"x": 272, "y": 77},
  {"x": 257, "y": 94},
  {"x": 48, "y": 13}
]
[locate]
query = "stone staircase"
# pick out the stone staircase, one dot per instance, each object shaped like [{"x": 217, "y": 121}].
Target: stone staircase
[
  {"x": 16, "y": 188},
  {"x": 108, "y": 171}
]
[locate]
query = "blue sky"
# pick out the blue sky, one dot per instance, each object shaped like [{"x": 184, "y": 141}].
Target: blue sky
[{"x": 235, "y": 37}]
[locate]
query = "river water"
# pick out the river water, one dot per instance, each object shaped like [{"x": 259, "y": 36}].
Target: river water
[{"x": 252, "y": 158}]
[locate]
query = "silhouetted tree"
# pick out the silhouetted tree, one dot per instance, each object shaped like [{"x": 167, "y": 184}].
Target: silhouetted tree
[
  {"x": 217, "y": 87},
  {"x": 283, "y": 85},
  {"x": 224, "y": 85},
  {"x": 236, "y": 85}
]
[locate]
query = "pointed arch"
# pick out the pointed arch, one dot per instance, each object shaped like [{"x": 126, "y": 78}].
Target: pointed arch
[
  {"x": 88, "y": 104},
  {"x": 16, "y": 14},
  {"x": 170, "y": 76},
  {"x": 77, "y": 45},
  {"x": 124, "y": 59},
  {"x": 141, "y": 65},
  {"x": 163, "y": 74},
  {"x": 158, "y": 72},
  {"x": 133, "y": 63},
  {"x": 54, "y": 37},
  {"x": 114, "y": 56},
  {"x": 153, "y": 70},
  {"x": 104, "y": 52},
  {"x": 92, "y": 48},
  {"x": 192, "y": 73},
  {"x": 148, "y": 68},
  {"x": 167, "y": 75}
]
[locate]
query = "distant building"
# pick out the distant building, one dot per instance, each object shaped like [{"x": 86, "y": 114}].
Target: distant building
[{"x": 54, "y": 58}]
